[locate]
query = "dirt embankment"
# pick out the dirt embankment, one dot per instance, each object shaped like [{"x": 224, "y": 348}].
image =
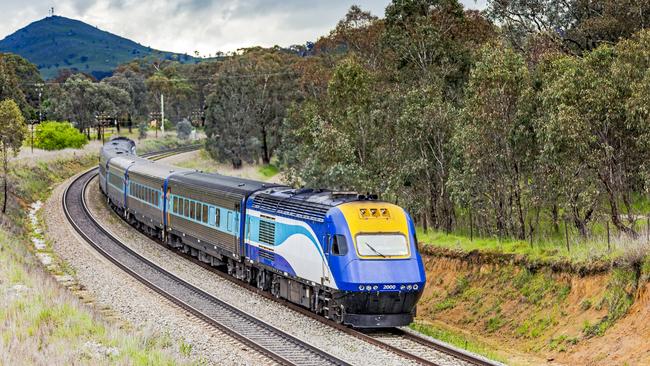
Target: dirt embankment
[{"x": 560, "y": 314}]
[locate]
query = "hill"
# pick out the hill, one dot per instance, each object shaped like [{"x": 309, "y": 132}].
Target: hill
[{"x": 56, "y": 43}]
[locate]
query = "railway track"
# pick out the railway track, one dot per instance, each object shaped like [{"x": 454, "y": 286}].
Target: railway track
[
  {"x": 255, "y": 333},
  {"x": 401, "y": 342}
]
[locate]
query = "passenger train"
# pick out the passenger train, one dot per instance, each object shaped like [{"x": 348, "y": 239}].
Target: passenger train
[{"x": 348, "y": 257}]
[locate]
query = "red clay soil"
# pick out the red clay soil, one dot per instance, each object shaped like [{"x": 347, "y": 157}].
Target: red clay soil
[
  {"x": 523, "y": 313},
  {"x": 626, "y": 343}
]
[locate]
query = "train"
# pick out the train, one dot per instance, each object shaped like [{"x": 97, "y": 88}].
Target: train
[{"x": 345, "y": 256}]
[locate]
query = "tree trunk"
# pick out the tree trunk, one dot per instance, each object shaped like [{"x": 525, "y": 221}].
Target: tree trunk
[
  {"x": 266, "y": 159},
  {"x": 580, "y": 222},
  {"x": 614, "y": 211},
  {"x": 236, "y": 163},
  {"x": 520, "y": 210},
  {"x": 433, "y": 204},
  {"x": 425, "y": 224},
  {"x": 555, "y": 213}
]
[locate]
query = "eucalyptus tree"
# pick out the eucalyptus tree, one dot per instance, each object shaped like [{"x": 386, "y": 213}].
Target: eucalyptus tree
[
  {"x": 579, "y": 25},
  {"x": 249, "y": 100},
  {"x": 80, "y": 100},
  {"x": 12, "y": 134},
  {"x": 424, "y": 154},
  {"x": 495, "y": 141}
]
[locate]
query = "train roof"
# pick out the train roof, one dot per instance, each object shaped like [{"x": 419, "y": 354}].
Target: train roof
[
  {"x": 311, "y": 204},
  {"x": 119, "y": 146},
  {"x": 218, "y": 182},
  {"x": 154, "y": 169}
]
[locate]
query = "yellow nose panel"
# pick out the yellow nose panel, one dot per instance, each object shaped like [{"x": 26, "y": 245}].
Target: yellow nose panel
[{"x": 374, "y": 217}]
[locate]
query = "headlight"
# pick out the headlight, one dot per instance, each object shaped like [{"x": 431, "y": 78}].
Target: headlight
[
  {"x": 361, "y": 287},
  {"x": 415, "y": 287},
  {"x": 402, "y": 287},
  {"x": 409, "y": 287},
  {"x": 375, "y": 287},
  {"x": 368, "y": 288}
]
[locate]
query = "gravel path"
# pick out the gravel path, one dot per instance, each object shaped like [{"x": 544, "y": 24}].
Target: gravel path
[{"x": 110, "y": 288}]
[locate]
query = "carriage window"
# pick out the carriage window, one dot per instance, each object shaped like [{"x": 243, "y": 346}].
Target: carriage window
[
  {"x": 192, "y": 210},
  {"x": 339, "y": 245},
  {"x": 205, "y": 214},
  {"x": 175, "y": 205},
  {"x": 217, "y": 217},
  {"x": 186, "y": 207},
  {"x": 229, "y": 222}
]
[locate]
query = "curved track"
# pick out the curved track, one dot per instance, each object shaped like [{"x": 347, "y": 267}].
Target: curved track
[
  {"x": 262, "y": 337},
  {"x": 404, "y": 343}
]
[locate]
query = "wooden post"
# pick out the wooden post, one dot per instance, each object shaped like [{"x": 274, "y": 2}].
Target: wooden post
[
  {"x": 566, "y": 235},
  {"x": 609, "y": 248},
  {"x": 647, "y": 235},
  {"x": 530, "y": 225}
]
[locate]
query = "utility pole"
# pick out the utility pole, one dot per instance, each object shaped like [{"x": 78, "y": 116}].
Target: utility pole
[
  {"x": 40, "y": 113},
  {"x": 162, "y": 113},
  {"x": 31, "y": 127}
]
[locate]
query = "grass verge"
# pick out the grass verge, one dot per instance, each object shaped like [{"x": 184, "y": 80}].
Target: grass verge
[
  {"x": 457, "y": 340},
  {"x": 40, "y": 321}
]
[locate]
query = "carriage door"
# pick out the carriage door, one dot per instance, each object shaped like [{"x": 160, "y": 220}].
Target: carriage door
[{"x": 326, "y": 275}]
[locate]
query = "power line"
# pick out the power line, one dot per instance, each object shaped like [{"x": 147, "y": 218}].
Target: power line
[{"x": 234, "y": 76}]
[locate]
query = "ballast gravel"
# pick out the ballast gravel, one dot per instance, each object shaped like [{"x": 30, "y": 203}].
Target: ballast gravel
[
  {"x": 135, "y": 302},
  {"x": 109, "y": 288}
]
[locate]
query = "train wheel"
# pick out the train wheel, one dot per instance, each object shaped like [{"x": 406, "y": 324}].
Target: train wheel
[
  {"x": 275, "y": 286},
  {"x": 262, "y": 280}
]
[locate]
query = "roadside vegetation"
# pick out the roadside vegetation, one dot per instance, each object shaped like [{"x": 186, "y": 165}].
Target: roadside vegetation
[
  {"x": 52, "y": 135},
  {"x": 44, "y": 323},
  {"x": 458, "y": 340}
]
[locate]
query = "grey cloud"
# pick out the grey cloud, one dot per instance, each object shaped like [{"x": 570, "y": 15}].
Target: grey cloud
[{"x": 206, "y": 25}]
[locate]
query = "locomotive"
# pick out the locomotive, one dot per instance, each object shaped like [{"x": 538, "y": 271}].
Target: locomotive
[{"x": 345, "y": 256}]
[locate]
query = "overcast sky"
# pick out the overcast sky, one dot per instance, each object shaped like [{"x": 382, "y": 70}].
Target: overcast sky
[{"x": 205, "y": 25}]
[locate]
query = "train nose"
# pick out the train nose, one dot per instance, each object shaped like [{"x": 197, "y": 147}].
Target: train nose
[{"x": 392, "y": 275}]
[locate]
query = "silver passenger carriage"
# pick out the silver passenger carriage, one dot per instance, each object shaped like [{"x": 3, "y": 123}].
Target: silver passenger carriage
[{"x": 205, "y": 213}]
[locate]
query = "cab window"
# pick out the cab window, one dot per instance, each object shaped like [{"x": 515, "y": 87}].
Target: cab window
[{"x": 339, "y": 245}]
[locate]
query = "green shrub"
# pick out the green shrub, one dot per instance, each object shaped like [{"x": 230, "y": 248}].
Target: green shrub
[
  {"x": 142, "y": 131},
  {"x": 51, "y": 135},
  {"x": 183, "y": 129}
]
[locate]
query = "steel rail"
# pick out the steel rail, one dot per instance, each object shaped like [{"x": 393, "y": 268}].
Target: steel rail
[
  {"x": 372, "y": 337},
  {"x": 260, "y": 336},
  {"x": 364, "y": 336}
]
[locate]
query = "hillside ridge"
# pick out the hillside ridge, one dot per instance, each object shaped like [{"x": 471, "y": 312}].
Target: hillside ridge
[{"x": 55, "y": 43}]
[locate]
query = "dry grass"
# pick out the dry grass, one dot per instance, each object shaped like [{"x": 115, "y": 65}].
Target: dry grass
[{"x": 43, "y": 324}]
